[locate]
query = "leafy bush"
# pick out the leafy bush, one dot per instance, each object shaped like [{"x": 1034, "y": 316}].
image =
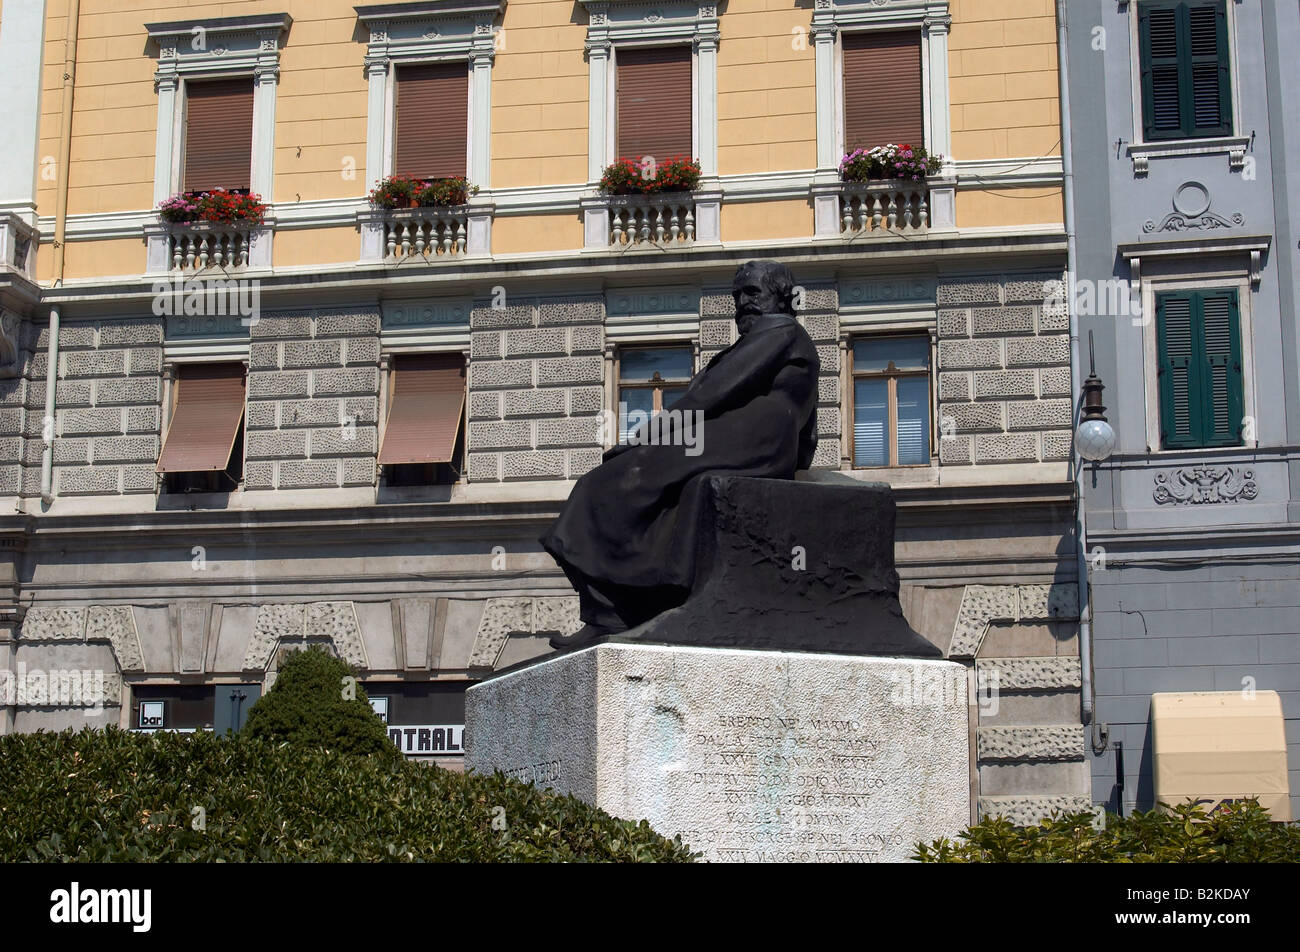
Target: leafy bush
[
  {"x": 116, "y": 796},
  {"x": 631, "y": 177},
  {"x": 1234, "y": 833},
  {"x": 219, "y": 206},
  {"x": 307, "y": 706}
]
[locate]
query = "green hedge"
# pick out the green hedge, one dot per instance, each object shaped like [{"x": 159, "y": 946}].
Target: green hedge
[
  {"x": 115, "y": 796},
  {"x": 316, "y": 700},
  {"x": 1235, "y": 833}
]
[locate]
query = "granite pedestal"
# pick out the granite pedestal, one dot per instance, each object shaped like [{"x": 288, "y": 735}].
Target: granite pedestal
[{"x": 752, "y": 756}]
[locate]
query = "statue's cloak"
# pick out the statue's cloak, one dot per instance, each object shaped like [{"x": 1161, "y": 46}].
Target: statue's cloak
[{"x": 628, "y": 531}]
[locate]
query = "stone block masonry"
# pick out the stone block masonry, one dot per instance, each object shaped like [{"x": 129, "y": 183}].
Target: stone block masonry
[
  {"x": 107, "y": 421},
  {"x": 536, "y": 385},
  {"x": 313, "y": 399},
  {"x": 1004, "y": 370}
]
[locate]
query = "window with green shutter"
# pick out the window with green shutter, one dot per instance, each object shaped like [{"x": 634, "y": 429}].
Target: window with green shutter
[
  {"x": 1186, "y": 88},
  {"x": 1199, "y": 340}
]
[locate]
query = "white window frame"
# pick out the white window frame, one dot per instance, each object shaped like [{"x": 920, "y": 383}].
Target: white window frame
[
  {"x": 431, "y": 31},
  {"x": 216, "y": 48},
  {"x": 614, "y": 24},
  {"x": 1181, "y": 273},
  {"x": 831, "y": 18},
  {"x": 1141, "y": 151}
]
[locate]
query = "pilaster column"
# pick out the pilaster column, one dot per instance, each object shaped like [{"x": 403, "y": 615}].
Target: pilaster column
[
  {"x": 165, "y": 147},
  {"x": 938, "y": 116},
  {"x": 480, "y": 147},
  {"x": 597, "y": 108},
  {"x": 828, "y": 99},
  {"x": 706, "y": 64},
  {"x": 376, "y": 116},
  {"x": 264, "y": 83}
]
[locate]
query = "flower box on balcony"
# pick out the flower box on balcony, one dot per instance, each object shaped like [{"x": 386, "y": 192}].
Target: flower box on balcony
[
  {"x": 648, "y": 177},
  {"x": 213, "y": 229},
  {"x": 424, "y": 218},
  {"x": 883, "y": 191}
]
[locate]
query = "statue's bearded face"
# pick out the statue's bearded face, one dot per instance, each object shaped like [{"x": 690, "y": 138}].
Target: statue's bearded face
[{"x": 753, "y": 297}]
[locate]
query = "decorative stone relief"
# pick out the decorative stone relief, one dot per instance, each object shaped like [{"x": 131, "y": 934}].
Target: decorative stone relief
[
  {"x": 1031, "y": 674},
  {"x": 981, "y": 604},
  {"x": 503, "y": 617},
  {"x": 114, "y": 624},
  {"x": 1197, "y": 485},
  {"x": 335, "y": 621},
  {"x": 1031, "y": 743},
  {"x": 1027, "y": 811},
  {"x": 54, "y": 624},
  {"x": 1192, "y": 212},
  {"x": 10, "y": 323}
]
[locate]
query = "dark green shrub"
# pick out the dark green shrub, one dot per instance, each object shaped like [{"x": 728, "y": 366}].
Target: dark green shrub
[
  {"x": 307, "y": 706},
  {"x": 115, "y": 796},
  {"x": 1235, "y": 833}
]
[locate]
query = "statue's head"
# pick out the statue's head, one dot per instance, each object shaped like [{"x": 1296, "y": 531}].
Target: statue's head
[{"x": 762, "y": 287}]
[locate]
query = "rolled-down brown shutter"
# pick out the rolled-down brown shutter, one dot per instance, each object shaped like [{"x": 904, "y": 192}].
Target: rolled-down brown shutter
[
  {"x": 425, "y": 409},
  {"x": 654, "y": 102},
  {"x": 432, "y": 120},
  {"x": 882, "y": 89},
  {"x": 219, "y": 134},
  {"x": 208, "y": 409}
]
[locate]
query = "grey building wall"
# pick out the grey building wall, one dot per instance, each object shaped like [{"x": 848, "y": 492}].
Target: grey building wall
[
  {"x": 1189, "y": 595},
  {"x": 450, "y": 586}
]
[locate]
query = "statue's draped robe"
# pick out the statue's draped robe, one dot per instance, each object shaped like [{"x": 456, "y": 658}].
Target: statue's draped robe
[{"x": 626, "y": 537}]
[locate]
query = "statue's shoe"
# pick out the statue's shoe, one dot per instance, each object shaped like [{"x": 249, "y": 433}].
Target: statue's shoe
[{"x": 584, "y": 637}]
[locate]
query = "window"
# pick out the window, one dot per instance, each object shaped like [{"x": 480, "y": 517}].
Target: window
[
  {"x": 653, "y": 82},
  {"x": 423, "y": 718},
  {"x": 883, "y": 98},
  {"x": 424, "y": 443},
  {"x": 891, "y": 401},
  {"x": 432, "y": 120},
  {"x": 1199, "y": 368},
  {"x": 172, "y": 707},
  {"x": 429, "y": 75},
  {"x": 216, "y": 83},
  {"x": 650, "y": 379},
  {"x": 1185, "y": 72},
  {"x": 653, "y": 116},
  {"x": 204, "y": 448},
  {"x": 218, "y": 135}
]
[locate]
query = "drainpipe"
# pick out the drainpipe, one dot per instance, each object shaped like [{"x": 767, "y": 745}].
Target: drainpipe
[
  {"x": 65, "y": 136},
  {"x": 1071, "y": 257},
  {"x": 60, "y": 231},
  {"x": 47, "y": 422}
]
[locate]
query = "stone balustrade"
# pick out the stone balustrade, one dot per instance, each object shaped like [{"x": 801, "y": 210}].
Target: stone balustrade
[
  {"x": 425, "y": 232},
  {"x": 889, "y": 206}
]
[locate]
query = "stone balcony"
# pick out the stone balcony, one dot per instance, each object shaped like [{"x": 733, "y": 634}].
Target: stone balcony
[
  {"x": 197, "y": 246},
  {"x": 669, "y": 220},
  {"x": 431, "y": 233},
  {"x": 880, "y": 209}
]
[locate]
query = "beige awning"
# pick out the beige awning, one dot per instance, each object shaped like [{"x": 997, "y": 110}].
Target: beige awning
[
  {"x": 1211, "y": 746},
  {"x": 426, "y": 403},
  {"x": 208, "y": 408}
]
